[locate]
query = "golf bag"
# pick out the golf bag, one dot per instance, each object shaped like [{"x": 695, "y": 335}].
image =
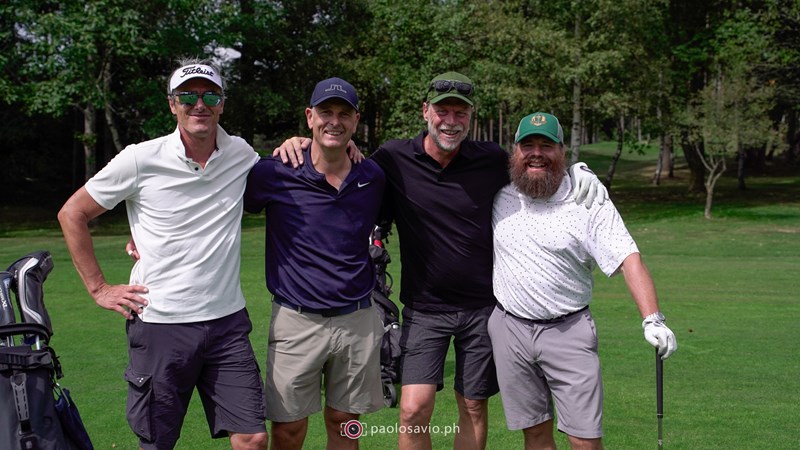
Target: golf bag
[
  {"x": 35, "y": 412},
  {"x": 390, "y": 316}
]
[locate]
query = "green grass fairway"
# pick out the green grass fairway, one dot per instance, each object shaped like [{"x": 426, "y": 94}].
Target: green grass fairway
[{"x": 728, "y": 286}]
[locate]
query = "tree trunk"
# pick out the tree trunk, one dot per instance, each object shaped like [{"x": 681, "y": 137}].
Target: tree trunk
[
  {"x": 108, "y": 110},
  {"x": 709, "y": 201},
  {"x": 670, "y": 156},
  {"x": 500, "y": 127},
  {"x": 696, "y": 168},
  {"x": 247, "y": 64},
  {"x": 89, "y": 139},
  {"x": 662, "y": 143},
  {"x": 575, "y": 135},
  {"x": 740, "y": 167},
  {"x": 618, "y": 153}
]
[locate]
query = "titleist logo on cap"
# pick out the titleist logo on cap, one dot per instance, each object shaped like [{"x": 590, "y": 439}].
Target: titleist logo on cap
[
  {"x": 203, "y": 70},
  {"x": 194, "y": 71}
]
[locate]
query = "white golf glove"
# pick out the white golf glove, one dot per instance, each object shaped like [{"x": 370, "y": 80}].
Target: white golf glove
[
  {"x": 586, "y": 187},
  {"x": 659, "y": 335}
]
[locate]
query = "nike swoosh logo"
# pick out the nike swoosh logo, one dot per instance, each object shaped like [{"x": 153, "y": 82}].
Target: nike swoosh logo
[{"x": 363, "y": 184}]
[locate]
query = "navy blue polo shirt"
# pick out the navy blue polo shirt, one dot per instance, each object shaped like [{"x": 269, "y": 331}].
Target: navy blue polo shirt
[
  {"x": 444, "y": 221},
  {"x": 317, "y": 238}
]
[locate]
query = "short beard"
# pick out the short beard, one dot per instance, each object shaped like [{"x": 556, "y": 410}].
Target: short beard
[
  {"x": 447, "y": 147},
  {"x": 536, "y": 186}
]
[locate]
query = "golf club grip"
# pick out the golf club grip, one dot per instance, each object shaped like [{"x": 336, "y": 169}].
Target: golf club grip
[
  {"x": 659, "y": 385},
  {"x": 6, "y": 307}
]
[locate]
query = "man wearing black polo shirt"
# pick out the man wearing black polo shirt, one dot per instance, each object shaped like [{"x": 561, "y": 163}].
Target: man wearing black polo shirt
[
  {"x": 440, "y": 190},
  {"x": 323, "y": 331}
]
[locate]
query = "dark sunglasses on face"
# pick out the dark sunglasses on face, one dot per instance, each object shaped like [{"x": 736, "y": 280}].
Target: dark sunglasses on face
[
  {"x": 190, "y": 98},
  {"x": 445, "y": 86}
]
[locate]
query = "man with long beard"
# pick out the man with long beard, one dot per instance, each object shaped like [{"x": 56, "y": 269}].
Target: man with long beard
[
  {"x": 440, "y": 188},
  {"x": 542, "y": 332}
]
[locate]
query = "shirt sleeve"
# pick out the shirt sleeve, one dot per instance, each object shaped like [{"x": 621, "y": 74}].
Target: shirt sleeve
[
  {"x": 256, "y": 194},
  {"x": 609, "y": 241},
  {"x": 117, "y": 181}
]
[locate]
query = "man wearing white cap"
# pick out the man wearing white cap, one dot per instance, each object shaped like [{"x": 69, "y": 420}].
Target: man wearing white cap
[
  {"x": 542, "y": 332},
  {"x": 187, "y": 325}
]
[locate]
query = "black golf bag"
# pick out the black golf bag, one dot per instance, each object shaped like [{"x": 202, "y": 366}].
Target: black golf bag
[
  {"x": 35, "y": 412},
  {"x": 390, "y": 316}
]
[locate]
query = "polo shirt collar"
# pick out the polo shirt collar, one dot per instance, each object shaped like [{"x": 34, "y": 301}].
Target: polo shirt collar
[{"x": 176, "y": 144}]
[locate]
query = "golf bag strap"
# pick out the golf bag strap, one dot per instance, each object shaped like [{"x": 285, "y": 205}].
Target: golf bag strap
[
  {"x": 18, "y": 382},
  {"x": 27, "y": 439}
]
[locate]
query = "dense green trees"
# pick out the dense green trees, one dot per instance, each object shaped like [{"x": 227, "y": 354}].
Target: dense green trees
[{"x": 79, "y": 80}]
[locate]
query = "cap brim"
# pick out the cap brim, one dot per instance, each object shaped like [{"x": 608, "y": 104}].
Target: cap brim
[
  {"x": 328, "y": 97},
  {"x": 540, "y": 133},
  {"x": 441, "y": 97}
]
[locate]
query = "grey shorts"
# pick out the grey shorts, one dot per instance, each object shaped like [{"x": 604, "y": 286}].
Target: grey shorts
[
  {"x": 425, "y": 341},
  {"x": 167, "y": 362},
  {"x": 540, "y": 365},
  {"x": 340, "y": 353}
]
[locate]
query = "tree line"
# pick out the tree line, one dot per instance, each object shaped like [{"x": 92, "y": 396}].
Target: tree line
[{"x": 717, "y": 81}]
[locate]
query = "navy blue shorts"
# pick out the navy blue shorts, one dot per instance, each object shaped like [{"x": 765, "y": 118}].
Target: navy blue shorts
[
  {"x": 425, "y": 341},
  {"x": 166, "y": 363}
]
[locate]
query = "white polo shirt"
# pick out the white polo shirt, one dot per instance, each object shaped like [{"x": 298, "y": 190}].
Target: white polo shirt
[
  {"x": 545, "y": 251},
  {"x": 186, "y": 222}
]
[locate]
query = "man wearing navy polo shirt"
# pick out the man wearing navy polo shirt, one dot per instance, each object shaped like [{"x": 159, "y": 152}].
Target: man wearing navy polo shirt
[
  {"x": 324, "y": 331},
  {"x": 440, "y": 190}
]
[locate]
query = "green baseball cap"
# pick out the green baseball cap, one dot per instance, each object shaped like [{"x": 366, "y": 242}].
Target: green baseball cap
[
  {"x": 450, "y": 85},
  {"x": 540, "y": 123}
]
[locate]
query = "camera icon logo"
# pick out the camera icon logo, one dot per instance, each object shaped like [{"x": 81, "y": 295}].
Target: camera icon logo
[{"x": 352, "y": 429}]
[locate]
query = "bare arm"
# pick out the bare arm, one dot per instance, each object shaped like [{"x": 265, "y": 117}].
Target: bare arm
[
  {"x": 292, "y": 151},
  {"x": 74, "y": 218},
  {"x": 640, "y": 284}
]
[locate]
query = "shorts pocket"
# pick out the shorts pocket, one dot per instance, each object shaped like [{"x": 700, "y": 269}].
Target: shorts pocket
[{"x": 140, "y": 393}]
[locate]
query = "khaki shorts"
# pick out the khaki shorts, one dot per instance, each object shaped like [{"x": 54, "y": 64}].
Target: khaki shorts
[
  {"x": 307, "y": 351},
  {"x": 539, "y": 365}
]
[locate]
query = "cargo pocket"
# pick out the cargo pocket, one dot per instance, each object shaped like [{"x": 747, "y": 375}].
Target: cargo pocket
[{"x": 140, "y": 393}]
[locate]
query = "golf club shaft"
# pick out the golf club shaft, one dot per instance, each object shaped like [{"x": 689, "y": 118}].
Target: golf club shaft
[{"x": 659, "y": 396}]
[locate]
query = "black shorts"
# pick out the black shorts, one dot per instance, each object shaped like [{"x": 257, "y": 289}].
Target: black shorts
[
  {"x": 425, "y": 341},
  {"x": 167, "y": 362}
]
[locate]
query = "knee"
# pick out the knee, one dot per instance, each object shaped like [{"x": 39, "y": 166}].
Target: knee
[
  {"x": 282, "y": 431},
  {"x": 414, "y": 412},
  {"x": 260, "y": 441},
  {"x": 257, "y": 441},
  {"x": 474, "y": 407},
  {"x": 334, "y": 419}
]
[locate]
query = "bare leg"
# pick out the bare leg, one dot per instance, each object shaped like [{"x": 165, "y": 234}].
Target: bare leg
[
  {"x": 540, "y": 437},
  {"x": 416, "y": 409},
  {"x": 473, "y": 423},
  {"x": 257, "y": 441},
  {"x": 585, "y": 444},
  {"x": 333, "y": 425},
  {"x": 289, "y": 435}
]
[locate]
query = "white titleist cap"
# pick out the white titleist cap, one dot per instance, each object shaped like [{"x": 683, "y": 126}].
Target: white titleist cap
[{"x": 194, "y": 71}]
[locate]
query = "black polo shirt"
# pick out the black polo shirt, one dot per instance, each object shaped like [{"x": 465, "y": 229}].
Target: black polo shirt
[{"x": 444, "y": 221}]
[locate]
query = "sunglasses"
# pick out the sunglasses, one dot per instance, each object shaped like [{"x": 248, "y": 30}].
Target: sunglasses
[
  {"x": 190, "y": 98},
  {"x": 445, "y": 86}
]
